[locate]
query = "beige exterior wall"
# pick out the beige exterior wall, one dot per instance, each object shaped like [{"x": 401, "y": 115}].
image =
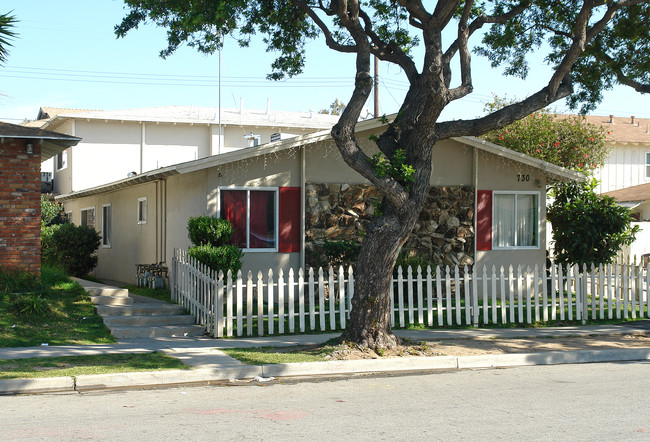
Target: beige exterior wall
[
  {"x": 273, "y": 171},
  {"x": 172, "y": 201},
  {"x": 131, "y": 243},
  {"x": 497, "y": 173}
]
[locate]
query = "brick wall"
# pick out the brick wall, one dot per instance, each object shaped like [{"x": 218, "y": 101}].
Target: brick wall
[{"x": 20, "y": 206}]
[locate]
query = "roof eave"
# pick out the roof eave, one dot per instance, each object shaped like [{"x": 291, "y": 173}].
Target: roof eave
[
  {"x": 147, "y": 177},
  {"x": 552, "y": 170}
]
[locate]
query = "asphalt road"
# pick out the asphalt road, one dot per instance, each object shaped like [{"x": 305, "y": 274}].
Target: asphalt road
[{"x": 566, "y": 402}]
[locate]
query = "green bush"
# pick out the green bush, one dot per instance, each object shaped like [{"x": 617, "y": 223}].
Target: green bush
[
  {"x": 414, "y": 261},
  {"x": 70, "y": 247},
  {"x": 51, "y": 212},
  {"x": 341, "y": 252},
  {"x": 588, "y": 228},
  {"x": 203, "y": 230},
  {"x": 222, "y": 258}
]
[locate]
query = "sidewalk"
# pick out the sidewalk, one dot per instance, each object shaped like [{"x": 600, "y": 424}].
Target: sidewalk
[{"x": 212, "y": 365}]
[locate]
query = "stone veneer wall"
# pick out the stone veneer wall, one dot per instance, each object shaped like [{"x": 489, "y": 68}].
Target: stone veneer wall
[
  {"x": 20, "y": 207},
  {"x": 444, "y": 233}
]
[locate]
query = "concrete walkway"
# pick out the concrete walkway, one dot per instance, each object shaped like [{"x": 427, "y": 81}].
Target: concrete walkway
[{"x": 210, "y": 364}]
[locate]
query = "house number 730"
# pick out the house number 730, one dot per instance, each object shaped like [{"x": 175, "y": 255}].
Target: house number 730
[{"x": 521, "y": 177}]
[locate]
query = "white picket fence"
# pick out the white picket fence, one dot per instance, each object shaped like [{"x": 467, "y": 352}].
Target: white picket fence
[{"x": 433, "y": 297}]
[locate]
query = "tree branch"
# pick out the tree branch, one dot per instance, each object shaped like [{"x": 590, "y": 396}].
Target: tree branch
[
  {"x": 329, "y": 38},
  {"x": 486, "y": 19},
  {"x": 622, "y": 78},
  {"x": 504, "y": 116},
  {"x": 465, "y": 87}
]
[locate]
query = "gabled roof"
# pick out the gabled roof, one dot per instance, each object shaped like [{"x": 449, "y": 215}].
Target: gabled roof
[
  {"x": 46, "y": 114},
  {"x": 51, "y": 142},
  {"x": 551, "y": 170},
  {"x": 621, "y": 129},
  {"x": 633, "y": 193},
  {"x": 199, "y": 115}
]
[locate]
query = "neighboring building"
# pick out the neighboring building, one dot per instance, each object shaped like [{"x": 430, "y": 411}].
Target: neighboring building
[
  {"x": 637, "y": 199},
  {"x": 22, "y": 150},
  {"x": 123, "y": 143},
  {"x": 628, "y": 164},
  {"x": 285, "y": 198}
]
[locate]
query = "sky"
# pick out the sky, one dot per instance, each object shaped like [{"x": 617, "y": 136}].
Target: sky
[{"x": 67, "y": 55}]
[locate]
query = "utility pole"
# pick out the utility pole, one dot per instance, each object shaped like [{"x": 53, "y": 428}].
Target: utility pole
[{"x": 376, "y": 90}]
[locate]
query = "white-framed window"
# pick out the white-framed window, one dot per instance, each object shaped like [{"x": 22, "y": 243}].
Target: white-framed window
[
  {"x": 68, "y": 215},
  {"x": 647, "y": 165},
  {"x": 62, "y": 160},
  {"x": 515, "y": 220},
  {"x": 87, "y": 217},
  {"x": 253, "y": 212},
  {"x": 142, "y": 210},
  {"x": 107, "y": 227}
]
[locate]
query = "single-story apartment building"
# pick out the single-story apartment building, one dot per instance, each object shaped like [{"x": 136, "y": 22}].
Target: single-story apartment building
[
  {"x": 486, "y": 205},
  {"x": 22, "y": 149}
]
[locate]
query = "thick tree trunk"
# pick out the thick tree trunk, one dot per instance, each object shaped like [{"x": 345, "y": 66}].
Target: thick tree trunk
[
  {"x": 400, "y": 209},
  {"x": 369, "y": 324}
]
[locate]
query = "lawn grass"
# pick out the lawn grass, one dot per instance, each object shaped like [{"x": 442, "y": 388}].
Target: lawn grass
[
  {"x": 159, "y": 294},
  {"x": 79, "y": 365},
  {"x": 54, "y": 310},
  {"x": 283, "y": 355}
]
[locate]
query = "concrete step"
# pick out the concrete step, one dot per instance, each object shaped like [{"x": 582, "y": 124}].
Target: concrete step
[
  {"x": 124, "y": 332},
  {"x": 139, "y": 309},
  {"x": 111, "y": 300},
  {"x": 107, "y": 291},
  {"x": 146, "y": 320}
]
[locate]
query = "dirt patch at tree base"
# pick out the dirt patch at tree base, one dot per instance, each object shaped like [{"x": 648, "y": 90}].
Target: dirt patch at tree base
[{"x": 472, "y": 347}]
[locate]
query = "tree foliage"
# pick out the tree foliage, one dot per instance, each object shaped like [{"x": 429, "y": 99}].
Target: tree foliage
[
  {"x": 335, "y": 108},
  {"x": 590, "y": 45},
  {"x": 7, "y": 24},
  {"x": 568, "y": 141},
  {"x": 588, "y": 228}
]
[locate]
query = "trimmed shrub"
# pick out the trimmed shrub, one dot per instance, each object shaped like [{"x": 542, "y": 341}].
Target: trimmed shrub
[
  {"x": 339, "y": 253},
  {"x": 222, "y": 258},
  {"x": 71, "y": 248},
  {"x": 204, "y": 230}
]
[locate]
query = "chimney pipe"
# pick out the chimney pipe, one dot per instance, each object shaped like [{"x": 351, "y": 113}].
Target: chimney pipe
[
  {"x": 632, "y": 120},
  {"x": 611, "y": 119}
]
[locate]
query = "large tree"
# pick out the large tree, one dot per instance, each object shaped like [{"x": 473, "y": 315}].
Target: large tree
[{"x": 591, "y": 45}]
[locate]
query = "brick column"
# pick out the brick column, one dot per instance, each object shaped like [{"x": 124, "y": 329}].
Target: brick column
[{"x": 20, "y": 206}]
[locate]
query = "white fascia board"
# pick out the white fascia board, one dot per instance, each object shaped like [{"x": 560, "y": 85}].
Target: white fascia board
[
  {"x": 126, "y": 182},
  {"x": 548, "y": 168}
]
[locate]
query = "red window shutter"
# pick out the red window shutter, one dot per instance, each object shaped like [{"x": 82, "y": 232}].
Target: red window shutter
[
  {"x": 289, "y": 229},
  {"x": 484, "y": 220}
]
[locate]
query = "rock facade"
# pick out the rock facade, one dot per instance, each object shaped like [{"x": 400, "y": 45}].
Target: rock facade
[{"x": 443, "y": 235}]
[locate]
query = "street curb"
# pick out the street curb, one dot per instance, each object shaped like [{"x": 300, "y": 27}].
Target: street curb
[
  {"x": 360, "y": 366},
  {"x": 165, "y": 377},
  {"x": 201, "y": 375},
  {"x": 554, "y": 358},
  {"x": 36, "y": 385}
]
